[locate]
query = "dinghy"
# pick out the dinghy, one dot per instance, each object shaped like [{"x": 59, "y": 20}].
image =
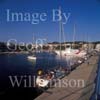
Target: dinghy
[
  {"x": 42, "y": 82},
  {"x": 31, "y": 57}
]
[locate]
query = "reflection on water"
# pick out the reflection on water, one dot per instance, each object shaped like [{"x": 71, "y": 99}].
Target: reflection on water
[{"x": 18, "y": 64}]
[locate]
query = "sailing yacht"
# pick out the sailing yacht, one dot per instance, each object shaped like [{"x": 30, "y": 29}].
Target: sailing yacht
[
  {"x": 32, "y": 57},
  {"x": 44, "y": 80},
  {"x": 69, "y": 51}
]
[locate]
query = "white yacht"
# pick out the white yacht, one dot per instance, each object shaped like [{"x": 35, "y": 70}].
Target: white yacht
[{"x": 32, "y": 57}]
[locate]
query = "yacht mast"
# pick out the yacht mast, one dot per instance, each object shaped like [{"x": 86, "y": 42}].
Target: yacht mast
[
  {"x": 60, "y": 34},
  {"x": 74, "y": 33},
  {"x": 63, "y": 35}
]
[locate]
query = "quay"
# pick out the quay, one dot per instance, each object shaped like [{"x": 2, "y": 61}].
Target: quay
[{"x": 87, "y": 72}]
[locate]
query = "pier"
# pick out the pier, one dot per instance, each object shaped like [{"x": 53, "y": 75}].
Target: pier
[
  {"x": 96, "y": 93},
  {"x": 87, "y": 72}
]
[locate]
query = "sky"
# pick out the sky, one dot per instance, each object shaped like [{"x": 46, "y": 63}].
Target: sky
[{"x": 84, "y": 14}]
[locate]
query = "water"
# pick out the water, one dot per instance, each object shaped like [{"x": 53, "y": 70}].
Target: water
[{"x": 18, "y": 64}]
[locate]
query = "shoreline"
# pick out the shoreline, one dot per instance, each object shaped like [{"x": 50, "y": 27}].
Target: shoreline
[{"x": 26, "y": 52}]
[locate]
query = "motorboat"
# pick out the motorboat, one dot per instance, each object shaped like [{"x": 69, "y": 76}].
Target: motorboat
[
  {"x": 44, "y": 80},
  {"x": 32, "y": 57},
  {"x": 41, "y": 82},
  {"x": 68, "y": 52}
]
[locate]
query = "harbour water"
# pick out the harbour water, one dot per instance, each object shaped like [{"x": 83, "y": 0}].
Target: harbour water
[
  {"x": 86, "y": 71},
  {"x": 18, "y": 65}
]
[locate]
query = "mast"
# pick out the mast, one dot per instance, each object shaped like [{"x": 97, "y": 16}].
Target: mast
[
  {"x": 74, "y": 33},
  {"x": 63, "y": 35},
  {"x": 60, "y": 33},
  {"x": 34, "y": 42}
]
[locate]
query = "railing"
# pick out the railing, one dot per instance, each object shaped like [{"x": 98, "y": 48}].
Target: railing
[{"x": 96, "y": 94}]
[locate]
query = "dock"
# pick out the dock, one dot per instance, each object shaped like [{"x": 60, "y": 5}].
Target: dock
[{"x": 87, "y": 71}]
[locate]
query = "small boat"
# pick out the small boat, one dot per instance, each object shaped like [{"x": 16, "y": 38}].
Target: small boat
[
  {"x": 41, "y": 82},
  {"x": 32, "y": 57},
  {"x": 79, "y": 61}
]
